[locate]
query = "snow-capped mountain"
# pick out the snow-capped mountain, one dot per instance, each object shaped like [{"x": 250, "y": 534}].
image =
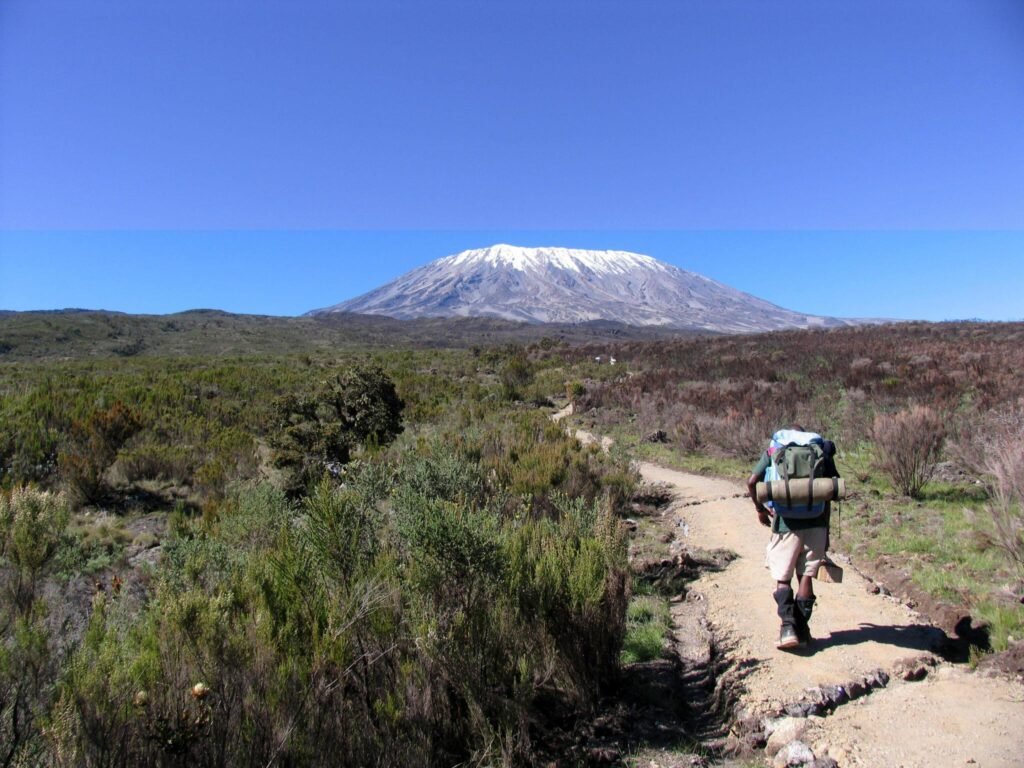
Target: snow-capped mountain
[{"x": 563, "y": 285}]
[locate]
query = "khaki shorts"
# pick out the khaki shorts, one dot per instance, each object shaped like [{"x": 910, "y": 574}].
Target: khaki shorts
[{"x": 797, "y": 552}]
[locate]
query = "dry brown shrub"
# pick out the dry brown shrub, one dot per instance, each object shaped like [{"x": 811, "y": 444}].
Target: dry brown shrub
[
  {"x": 907, "y": 447},
  {"x": 697, "y": 388},
  {"x": 687, "y": 432},
  {"x": 997, "y": 453}
]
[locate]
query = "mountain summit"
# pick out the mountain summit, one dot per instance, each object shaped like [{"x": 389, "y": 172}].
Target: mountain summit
[{"x": 564, "y": 285}]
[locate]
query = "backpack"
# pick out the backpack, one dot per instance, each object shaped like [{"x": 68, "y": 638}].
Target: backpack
[{"x": 795, "y": 455}]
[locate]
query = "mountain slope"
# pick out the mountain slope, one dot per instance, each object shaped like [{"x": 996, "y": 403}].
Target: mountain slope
[{"x": 561, "y": 285}]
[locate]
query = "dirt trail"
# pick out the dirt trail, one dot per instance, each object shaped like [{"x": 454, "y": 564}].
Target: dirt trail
[{"x": 953, "y": 717}]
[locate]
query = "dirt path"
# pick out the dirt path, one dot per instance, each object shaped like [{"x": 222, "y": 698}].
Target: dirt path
[{"x": 953, "y": 717}]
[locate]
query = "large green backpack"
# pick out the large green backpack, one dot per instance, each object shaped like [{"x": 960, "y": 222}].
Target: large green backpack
[{"x": 795, "y": 455}]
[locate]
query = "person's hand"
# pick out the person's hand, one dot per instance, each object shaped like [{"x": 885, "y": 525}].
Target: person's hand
[{"x": 764, "y": 517}]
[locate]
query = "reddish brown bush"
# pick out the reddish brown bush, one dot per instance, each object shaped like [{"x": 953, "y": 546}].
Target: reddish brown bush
[
  {"x": 997, "y": 453},
  {"x": 907, "y": 447},
  {"x": 835, "y": 379},
  {"x": 93, "y": 447}
]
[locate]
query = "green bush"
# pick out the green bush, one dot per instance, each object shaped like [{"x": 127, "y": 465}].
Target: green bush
[
  {"x": 402, "y": 617},
  {"x": 316, "y": 433},
  {"x": 31, "y": 527},
  {"x": 415, "y": 604},
  {"x": 516, "y": 374}
]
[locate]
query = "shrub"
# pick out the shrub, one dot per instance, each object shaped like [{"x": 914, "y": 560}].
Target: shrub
[
  {"x": 516, "y": 375},
  {"x": 907, "y": 447},
  {"x": 261, "y": 644},
  {"x": 157, "y": 461},
  {"x": 31, "y": 526},
  {"x": 317, "y": 432},
  {"x": 998, "y": 454},
  {"x": 574, "y": 390},
  {"x": 93, "y": 447}
]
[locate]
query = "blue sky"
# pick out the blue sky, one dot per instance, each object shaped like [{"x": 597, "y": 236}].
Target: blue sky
[{"x": 276, "y": 156}]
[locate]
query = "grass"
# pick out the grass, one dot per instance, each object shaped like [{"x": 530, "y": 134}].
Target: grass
[
  {"x": 938, "y": 541},
  {"x": 666, "y": 455},
  {"x": 1005, "y": 621},
  {"x": 648, "y": 624}
]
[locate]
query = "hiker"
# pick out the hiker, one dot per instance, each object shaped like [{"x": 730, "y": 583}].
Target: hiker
[{"x": 799, "y": 531}]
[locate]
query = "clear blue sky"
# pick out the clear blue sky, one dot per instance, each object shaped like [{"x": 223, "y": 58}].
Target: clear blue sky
[{"x": 276, "y": 156}]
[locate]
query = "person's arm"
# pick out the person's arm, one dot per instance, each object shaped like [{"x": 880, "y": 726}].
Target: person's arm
[
  {"x": 829, "y": 467},
  {"x": 764, "y": 516}
]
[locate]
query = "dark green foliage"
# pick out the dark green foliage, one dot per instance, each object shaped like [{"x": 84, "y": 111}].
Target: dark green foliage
[
  {"x": 317, "y": 433},
  {"x": 31, "y": 527}
]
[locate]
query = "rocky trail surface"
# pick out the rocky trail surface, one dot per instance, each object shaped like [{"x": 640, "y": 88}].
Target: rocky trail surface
[{"x": 869, "y": 691}]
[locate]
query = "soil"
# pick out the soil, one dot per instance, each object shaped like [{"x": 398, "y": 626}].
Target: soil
[{"x": 878, "y": 686}]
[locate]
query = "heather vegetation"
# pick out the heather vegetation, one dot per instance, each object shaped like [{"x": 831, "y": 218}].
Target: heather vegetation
[
  {"x": 88, "y": 335},
  {"x": 392, "y": 556},
  {"x": 927, "y": 418}
]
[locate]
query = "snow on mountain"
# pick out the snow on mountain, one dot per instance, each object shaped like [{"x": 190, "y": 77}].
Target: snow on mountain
[{"x": 564, "y": 285}]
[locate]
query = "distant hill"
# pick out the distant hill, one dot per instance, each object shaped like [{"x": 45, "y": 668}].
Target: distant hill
[
  {"x": 561, "y": 285},
  {"x": 82, "y": 334}
]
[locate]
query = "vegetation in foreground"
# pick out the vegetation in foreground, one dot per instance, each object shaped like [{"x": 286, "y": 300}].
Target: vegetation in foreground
[{"x": 349, "y": 557}]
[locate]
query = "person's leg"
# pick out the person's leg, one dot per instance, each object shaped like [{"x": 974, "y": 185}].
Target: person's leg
[
  {"x": 805, "y": 589},
  {"x": 814, "y": 543},
  {"x": 782, "y": 554},
  {"x": 789, "y": 637},
  {"x": 804, "y": 606}
]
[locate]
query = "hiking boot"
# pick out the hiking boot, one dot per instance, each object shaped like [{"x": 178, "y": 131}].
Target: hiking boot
[
  {"x": 788, "y": 637},
  {"x": 801, "y": 618}
]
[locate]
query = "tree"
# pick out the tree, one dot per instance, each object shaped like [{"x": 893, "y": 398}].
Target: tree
[{"x": 317, "y": 433}]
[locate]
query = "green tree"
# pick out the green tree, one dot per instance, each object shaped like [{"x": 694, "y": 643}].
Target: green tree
[{"x": 318, "y": 432}]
